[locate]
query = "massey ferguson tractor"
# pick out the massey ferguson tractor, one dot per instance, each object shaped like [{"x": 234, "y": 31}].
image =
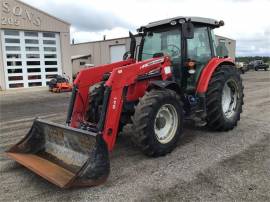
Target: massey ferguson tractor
[{"x": 173, "y": 75}]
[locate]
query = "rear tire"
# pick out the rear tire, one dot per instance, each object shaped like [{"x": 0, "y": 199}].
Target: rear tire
[
  {"x": 157, "y": 122},
  {"x": 224, "y": 99}
]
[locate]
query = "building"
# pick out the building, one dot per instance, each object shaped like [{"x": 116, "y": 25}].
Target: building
[
  {"x": 98, "y": 52},
  {"x": 35, "y": 46}
]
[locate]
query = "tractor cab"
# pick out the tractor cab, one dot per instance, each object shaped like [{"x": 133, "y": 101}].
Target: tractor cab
[{"x": 189, "y": 41}]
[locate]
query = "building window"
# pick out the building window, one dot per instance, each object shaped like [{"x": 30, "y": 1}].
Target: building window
[
  {"x": 50, "y": 55},
  {"x": 14, "y": 71},
  {"x": 14, "y": 63},
  {"x": 32, "y": 48},
  {"x": 51, "y": 69},
  {"x": 49, "y": 35},
  {"x": 11, "y": 33},
  {"x": 30, "y": 70},
  {"x": 15, "y": 78},
  {"x": 31, "y": 41},
  {"x": 49, "y": 42},
  {"x": 13, "y": 56},
  {"x": 16, "y": 85},
  {"x": 50, "y": 49},
  {"x": 33, "y": 63},
  {"x": 13, "y": 48},
  {"x": 32, "y": 34},
  {"x": 32, "y": 55},
  {"x": 34, "y": 77},
  {"x": 50, "y": 62},
  {"x": 33, "y": 84},
  {"x": 12, "y": 40},
  {"x": 51, "y": 76}
]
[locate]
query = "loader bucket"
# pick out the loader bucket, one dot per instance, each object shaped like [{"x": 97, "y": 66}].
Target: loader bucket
[{"x": 63, "y": 155}]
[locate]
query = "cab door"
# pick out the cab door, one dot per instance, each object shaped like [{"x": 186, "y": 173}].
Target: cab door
[{"x": 198, "y": 50}]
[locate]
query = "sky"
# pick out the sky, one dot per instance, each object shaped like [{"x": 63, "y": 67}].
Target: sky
[{"x": 246, "y": 21}]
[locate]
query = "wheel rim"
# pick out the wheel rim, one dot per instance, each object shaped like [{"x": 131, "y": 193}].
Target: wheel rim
[
  {"x": 229, "y": 98},
  {"x": 166, "y": 123}
]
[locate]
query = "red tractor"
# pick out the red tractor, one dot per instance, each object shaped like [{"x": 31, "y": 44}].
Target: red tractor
[{"x": 172, "y": 75}]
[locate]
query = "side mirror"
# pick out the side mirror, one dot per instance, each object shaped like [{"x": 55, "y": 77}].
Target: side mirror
[{"x": 188, "y": 30}]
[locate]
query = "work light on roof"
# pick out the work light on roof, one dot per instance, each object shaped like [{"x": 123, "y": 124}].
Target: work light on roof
[
  {"x": 182, "y": 21},
  {"x": 173, "y": 23}
]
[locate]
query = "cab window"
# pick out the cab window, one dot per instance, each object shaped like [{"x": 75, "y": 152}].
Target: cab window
[
  {"x": 198, "y": 48},
  {"x": 167, "y": 42}
]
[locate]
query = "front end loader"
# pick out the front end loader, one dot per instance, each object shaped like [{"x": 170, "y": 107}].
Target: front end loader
[{"x": 174, "y": 74}]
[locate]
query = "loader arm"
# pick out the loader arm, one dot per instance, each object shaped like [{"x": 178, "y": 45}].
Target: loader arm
[
  {"x": 123, "y": 74},
  {"x": 85, "y": 79}
]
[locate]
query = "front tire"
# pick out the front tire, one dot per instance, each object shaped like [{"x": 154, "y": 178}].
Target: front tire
[
  {"x": 224, "y": 99},
  {"x": 158, "y": 122},
  {"x": 95, "y": 103}
]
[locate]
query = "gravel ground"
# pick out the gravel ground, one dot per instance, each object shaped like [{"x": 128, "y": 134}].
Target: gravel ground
[{"x": 206, "y": 166}]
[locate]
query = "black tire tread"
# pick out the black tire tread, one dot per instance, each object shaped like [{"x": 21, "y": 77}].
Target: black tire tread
[
  {"x": 140, "y": 119},
  {"x": 95, "y": 99},
  {"x": 215, "y": 118}
]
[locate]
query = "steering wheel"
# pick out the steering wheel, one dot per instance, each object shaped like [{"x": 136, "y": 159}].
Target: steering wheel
[
  {"x": 175, "y": 50},
  {"x": 126, "y": 55}
]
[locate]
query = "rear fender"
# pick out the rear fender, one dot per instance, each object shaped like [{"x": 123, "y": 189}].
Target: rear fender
[{"x": 208, "y": 70}]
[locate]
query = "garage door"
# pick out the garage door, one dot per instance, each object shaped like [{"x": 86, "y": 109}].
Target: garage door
[
  {"x": 117, "y": 52},
  {"x": 30, "y": 58}
]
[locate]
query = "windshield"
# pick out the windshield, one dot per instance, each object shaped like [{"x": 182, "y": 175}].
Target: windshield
[{"x": 167, "y": 42}]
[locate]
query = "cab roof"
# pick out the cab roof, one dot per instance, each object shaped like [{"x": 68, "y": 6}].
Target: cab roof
[{"x": 201, "y": 20}]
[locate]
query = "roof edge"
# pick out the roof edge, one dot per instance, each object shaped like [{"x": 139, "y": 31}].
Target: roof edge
[
  {"x": 195, "y": 19},
  {"x": 225, "y": 37},
  {"x": 76, "y": 57},
  {"x": 56, "y": 18},
  {"x": 119, "y": 38}
]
